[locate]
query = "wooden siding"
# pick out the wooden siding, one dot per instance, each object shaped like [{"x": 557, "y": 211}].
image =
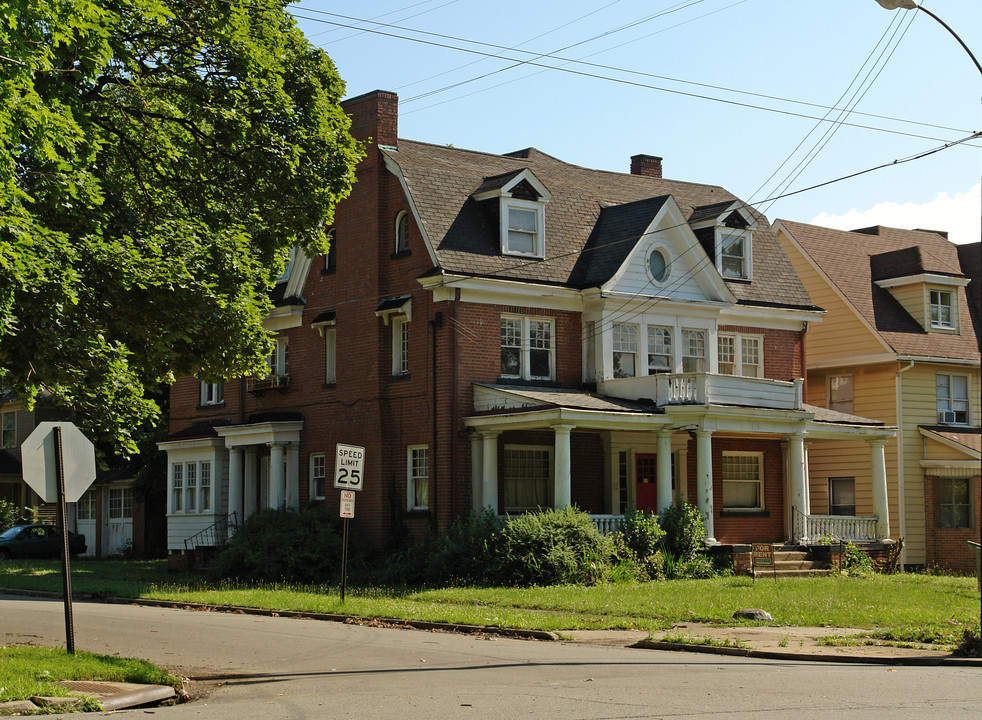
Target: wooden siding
[
  {"x": 841, "y": 333},
  {"x": 912, "y": 297}
]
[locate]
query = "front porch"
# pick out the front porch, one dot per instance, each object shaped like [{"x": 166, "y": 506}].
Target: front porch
[{"x": 745, "y": 468}]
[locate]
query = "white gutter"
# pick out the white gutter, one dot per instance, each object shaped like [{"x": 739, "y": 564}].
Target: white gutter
[
  {"x": 938, "y": 360},
  {"x": 901, "y": 504}
]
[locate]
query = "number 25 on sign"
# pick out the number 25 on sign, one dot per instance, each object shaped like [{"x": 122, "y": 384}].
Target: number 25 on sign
[{"x": 349, "y": 467}]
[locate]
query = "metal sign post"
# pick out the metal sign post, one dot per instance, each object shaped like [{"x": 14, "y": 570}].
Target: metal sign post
[
  {"x": 349, "y": 476},
  {"x": 59, "y": 465}
]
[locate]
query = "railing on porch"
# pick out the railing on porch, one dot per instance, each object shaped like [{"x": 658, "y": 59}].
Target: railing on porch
[
  {"x": 703, "y": 388},
  {"x": 838, "y": 527},
  {"x": 607, "y": 524},
  {"x": 213, "y": 535}
]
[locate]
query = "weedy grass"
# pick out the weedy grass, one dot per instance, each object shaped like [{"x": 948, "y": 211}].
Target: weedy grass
[{"x": 26, "y": 671}]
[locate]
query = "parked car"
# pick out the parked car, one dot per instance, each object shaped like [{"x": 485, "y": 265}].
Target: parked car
[{"x": 38, "y": 541}]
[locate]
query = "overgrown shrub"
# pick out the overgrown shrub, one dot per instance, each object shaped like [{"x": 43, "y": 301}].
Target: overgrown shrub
[
  {"x": 9, "y": 515},
  {"x": 638, "y": 542},
  {"x": 284, "y": 545},
  {"x": 684, "y": 530},
  {"x": 552, "y": 547},
  {"x": 466, "y": 554},
  {"x": 856, "y": 562}
]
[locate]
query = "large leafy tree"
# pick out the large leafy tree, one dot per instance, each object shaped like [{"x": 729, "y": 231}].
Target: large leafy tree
[{"x": 158, "y": 158}]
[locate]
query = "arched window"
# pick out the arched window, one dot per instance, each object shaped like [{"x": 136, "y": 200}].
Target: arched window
[{"x": 402, "y": 232}]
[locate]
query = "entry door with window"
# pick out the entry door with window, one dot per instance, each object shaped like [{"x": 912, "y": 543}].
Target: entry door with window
[
  {"x": 119, "y": 524},
  {"x": 645, "y": 474}
]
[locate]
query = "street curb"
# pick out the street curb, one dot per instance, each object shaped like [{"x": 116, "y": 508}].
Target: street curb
[
  {"x": 948, "y": 661},
  {"x": 330, "y": 617}
]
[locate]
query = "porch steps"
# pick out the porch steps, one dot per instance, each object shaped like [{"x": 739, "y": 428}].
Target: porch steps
[{"x": 793, "y": 563}]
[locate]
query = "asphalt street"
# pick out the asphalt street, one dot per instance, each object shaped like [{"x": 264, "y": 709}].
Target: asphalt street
[{"x": 246, "y": 666}]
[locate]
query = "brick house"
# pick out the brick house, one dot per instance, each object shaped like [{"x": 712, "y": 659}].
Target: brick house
[
  {"x": 512, "y": 331},
  {"x": 900, "y": 343}
]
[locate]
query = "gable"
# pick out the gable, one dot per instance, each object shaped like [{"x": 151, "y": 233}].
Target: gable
[{"x": 666, "y": 260}]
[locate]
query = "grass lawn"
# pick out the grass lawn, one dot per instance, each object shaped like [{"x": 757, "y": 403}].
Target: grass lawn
[
  {"x": 930, "y": 607},
  {"x": 29, "y": 671}
]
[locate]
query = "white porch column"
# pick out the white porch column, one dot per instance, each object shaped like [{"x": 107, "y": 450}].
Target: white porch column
[
  {"x": 563, "y": 493},
  {"x": 249, "y": 483},
  {"x": 277, "y": 481},
  {"x": 477, "y": 467},
  {"x": 880, "y": 506},
  {"x": 235, "y": 483},
  {"x": 796, "y": 471},
  {"x": 489, "y": 470},
  {"x": 704, "y": 482},
  {"x": 293, "y": 476},
  {"x": 663, "y": 470}
]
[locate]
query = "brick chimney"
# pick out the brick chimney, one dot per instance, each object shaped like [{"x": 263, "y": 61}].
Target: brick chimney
[
  {"x": 647, "y": 165},
  {"x": 375, "y": 116}
]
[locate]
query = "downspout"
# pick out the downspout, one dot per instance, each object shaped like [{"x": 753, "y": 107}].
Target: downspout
[
  {"x": 804, "y": 363},
  {"x": 901, "y": 504},
  {"x": 455, "y": 375}
]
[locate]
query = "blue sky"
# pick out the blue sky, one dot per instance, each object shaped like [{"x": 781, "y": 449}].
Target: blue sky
[{"x": 728, "y": 92}]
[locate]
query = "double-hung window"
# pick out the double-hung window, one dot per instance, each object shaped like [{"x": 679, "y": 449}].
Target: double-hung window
[
  {"x": 955, "y": 502},
  {"x": 734, "y": 254},
  {"x": 693, "y": 350},
  {"x": 952, "y": 392},
  {"x": 943, "y": 309},
  {"x": 120, "y": 503},
  {"x": 841, "y": 394},
  {"x": 191, "y": 487},
  {"x": 318, "y": 476},
  {"x": 279, "y": 360},
  {"x": 625, "y": 350},
  {"x": 740, "y": 355},
  {"x": 400, "y": 345},
  {"x": 177, "y": 487},
  {"x": 10, "y": 429},
  {"x": 523, "y": 233},
  {"x": 660, "y": 358},
  {"x": 212, "y": 393},
  {"x": 418, "y": 477},
  {"x": 743, "y": 481},
  {"x": 526, "y": 472},
  {"x": 402, "y": 232},
  {"x": 204, "y": 487},
  {"x": 842, "y": 496},
  {"x": 527, "y": 348},
  {"x": 85, "y": 508}
]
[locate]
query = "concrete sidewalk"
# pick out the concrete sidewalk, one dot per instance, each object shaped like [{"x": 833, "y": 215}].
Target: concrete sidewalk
[{"x": 790, "y": 643}]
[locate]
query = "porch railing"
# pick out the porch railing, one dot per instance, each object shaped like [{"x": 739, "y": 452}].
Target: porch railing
[
  {"x": 213, "y": 535},
  {"x": 607, "y": 524},
  {"x": 838, "y": 527}
]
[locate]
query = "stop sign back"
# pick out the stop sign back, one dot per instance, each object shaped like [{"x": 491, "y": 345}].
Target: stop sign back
[{"x": 39, "y": 458}]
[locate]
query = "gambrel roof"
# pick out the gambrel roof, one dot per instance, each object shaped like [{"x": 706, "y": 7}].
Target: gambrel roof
[{"x": 592, "y": 220}]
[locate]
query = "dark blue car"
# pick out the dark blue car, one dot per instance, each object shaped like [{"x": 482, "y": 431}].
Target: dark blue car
[{"x": 38, "y": 541}]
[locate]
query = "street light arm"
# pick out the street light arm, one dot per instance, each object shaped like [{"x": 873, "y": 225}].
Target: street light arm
[{"x": 911, "y": 4}]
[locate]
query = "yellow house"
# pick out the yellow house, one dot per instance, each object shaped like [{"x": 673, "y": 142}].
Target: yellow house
[{"x": 900, "y": 343}]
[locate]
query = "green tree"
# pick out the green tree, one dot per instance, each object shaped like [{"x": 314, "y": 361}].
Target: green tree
[{"x": 159, "y": 159}]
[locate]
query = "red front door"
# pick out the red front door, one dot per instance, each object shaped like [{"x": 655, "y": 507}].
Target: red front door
[{"x": 644, "y": 474}]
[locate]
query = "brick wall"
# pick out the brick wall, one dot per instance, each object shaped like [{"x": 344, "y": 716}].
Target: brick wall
[
  {"x": 783, "y": 351},
  {"x": 948, "y": 547}
]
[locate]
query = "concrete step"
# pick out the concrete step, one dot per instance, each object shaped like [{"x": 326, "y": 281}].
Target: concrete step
[
  {"x": 798, "y": 572},
  {"x": 792, "y": 555}
]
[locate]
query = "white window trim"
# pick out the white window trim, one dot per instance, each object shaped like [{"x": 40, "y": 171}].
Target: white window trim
[
  {"x": 760, "y": 480},
  {"x": 667, "y": 256},
  {"x": 412, "y": 479},
  {"x": 967, "y": 399},
  {"x": 684, "y": 346},
  {"x": 952, "y": 306},
  {"x": 212, "y": 393},
  {"x": 330, "y": 356},
  {"x": 186, "y": 491},
  {"x": 525, "y": 351},
  {"x": 507, "y": 204},
  {"x": 278, "y": 360},
  {"x": 626, "y": 347},
  {"x": 550, "y": 474},
  {"x": 311, "y": 477},
  {"x": 648, "y": 349},
  {"x": 287, "y": 266},
  {"x": 738, "y": 339},
  {"x": 175, "y": 495},
  {"x": 4, "y": 430},
  {"x": 206, "y": 493},
  {"x": 723, "y": 232},
  {"x": 400, "y": 345}
]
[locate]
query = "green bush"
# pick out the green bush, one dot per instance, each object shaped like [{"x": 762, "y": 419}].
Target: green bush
[
  {"x": 684, "y": 530},
  {"x": 638, "y": 543},
  {"x": 284, "y": 546},
  {"x": 552, "y": 547},
  {"x": 9, "y": 515},
  {"x": 466, "y": 554}
]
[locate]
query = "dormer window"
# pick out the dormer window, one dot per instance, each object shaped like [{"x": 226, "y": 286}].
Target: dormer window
[
  {"x": 521, "y": 211},
  {"x": 287, "y": 266},
  {"x": 942, "y": 309},
  {"x": 734, "y": 254}
]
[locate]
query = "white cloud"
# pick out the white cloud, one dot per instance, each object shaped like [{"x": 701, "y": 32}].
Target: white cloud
[{"x": 959, "y": 216}]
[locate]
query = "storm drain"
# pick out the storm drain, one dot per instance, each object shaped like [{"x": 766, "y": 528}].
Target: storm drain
[{"x": 119, "y": 695}]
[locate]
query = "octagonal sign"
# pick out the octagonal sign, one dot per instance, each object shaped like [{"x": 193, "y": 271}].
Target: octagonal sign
[{"x": 39, "y": 459}]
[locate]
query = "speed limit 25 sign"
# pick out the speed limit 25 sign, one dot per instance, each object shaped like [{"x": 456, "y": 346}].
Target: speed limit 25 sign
[{"x": 349, "y": 467}]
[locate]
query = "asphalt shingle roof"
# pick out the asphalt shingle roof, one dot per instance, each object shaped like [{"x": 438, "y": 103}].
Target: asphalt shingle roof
[
  {"x": 853, "y": 259},
  {"x": 465, "y": 234}
]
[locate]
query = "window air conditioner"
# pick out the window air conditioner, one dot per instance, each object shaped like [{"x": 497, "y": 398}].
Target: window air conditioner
[{"x": 946, "y": 417}]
